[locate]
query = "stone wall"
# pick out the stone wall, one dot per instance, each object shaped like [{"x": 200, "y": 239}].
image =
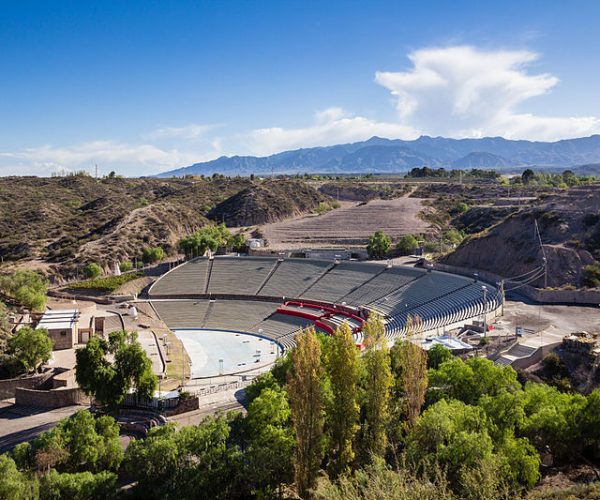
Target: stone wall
[
  {"x": 56, "y": 398},
  {"x": 9, "y": 386}
]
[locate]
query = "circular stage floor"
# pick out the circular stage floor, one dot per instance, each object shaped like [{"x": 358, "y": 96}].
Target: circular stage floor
[{"x": 238, "y": 351}]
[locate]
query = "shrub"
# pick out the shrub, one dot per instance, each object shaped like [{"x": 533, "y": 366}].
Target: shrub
[
  {"x": 154, "y": 254},
  {"x": 379, "y": 245},
  {"x": 591, "y": 275},
  {"x": 407, "y": 244},
  {"x": 125, "y": 266},
  {"x": 92, "y": 270}
]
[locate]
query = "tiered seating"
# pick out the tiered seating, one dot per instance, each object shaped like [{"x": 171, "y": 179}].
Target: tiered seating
[
  {"x": 382, "y": 285},
  {"x": 241, "y": 315},
  {"x": 342, "y": 280},
  {"x": 425, "y": 289},
  {"x": 280, "y": 325},
  {"x": 293, "y": 277},
  {"x": 189, "y": 278},
  {"x": 181, "y": 313},
  {"x": 241, "y": 276},
  {"x": 439, "y": 299}
]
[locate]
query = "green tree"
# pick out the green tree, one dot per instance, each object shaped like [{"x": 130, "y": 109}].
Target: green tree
[
  {"x": 13, "y": 484},
  {"x": 379, "y": 245},
  {"x": 92, "y": 270},
  {"x": 409, "y": 364},
  {"x": 32, "y": 348},
  {"x": 527, "y": 176},
  {"x": 125, "y": 266},
  {"x": 238, "y": 243},
  {"x": 80, "y": 443},
  {"x": 268, "y": 456},
  {"x": 343, "y": 412},
  {"x": 82, "y": 485},
  {"x": 153, "y": 254},
  {"x": 437, "y": 355},
  {"x": 26, "y": 288},
  {"x": 109, "y": 381},
  {"x": 407, "y": 244},
  {"x": 305, "y": 388},
  {"x": 377, "y": 383}
]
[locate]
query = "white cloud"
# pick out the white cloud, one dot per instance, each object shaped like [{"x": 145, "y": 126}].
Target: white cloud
[
  {"x": 191, "y": 131},
  {"x": 463, "y": 91},
  {"x": 138, "y": 159},
  {"x": 331, "y": 126}
]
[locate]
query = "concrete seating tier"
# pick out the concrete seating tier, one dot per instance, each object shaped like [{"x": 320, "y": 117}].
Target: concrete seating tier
[
  {"x": 189, "y": 278},
  {"x": 341, "y": 280},
  {"x": 383, "y": 284},
  {"x": 240, "y": 315},
  {"x": 281, "y": 325},
  {"x": 182, "y": 313},
  {"x": 293, "y": 276},
  {"x": 239, "y": 276}
]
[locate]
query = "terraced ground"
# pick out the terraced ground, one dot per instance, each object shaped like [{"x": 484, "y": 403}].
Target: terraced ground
[{"x": 348, "y": 226}]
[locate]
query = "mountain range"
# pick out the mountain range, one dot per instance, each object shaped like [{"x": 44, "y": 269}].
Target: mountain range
[{"x": 380, "y": 155}]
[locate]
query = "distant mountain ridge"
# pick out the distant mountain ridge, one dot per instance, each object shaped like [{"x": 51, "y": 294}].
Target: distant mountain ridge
[{"x": 380, "y": 155}]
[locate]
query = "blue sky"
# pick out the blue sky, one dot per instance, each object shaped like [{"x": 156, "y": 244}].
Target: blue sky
[{"x": 140, "y": 87}]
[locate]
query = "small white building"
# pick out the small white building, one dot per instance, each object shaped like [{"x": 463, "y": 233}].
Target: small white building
[{"x": 62, "y": 326}]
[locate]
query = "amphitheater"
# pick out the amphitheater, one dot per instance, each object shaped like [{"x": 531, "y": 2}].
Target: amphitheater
[{"x": 272, "y": 298}]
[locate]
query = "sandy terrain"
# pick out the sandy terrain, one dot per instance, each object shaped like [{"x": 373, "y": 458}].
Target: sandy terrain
[{"x": 348, "y": 226}]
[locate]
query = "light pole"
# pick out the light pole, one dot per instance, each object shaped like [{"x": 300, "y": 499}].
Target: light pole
[{"x": 484, "y": 291}]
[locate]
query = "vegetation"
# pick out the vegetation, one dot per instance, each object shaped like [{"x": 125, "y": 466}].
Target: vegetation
[
  {"x": 591, "y": 275},
  {"x": 126, "y": 266},
  {"x": 92, "y": 270},
  {"x": 379, "y": 245},
  {"x": 108, "y": 284},
  {"x": 326, "y": 206},
  {"x": 392, "y": 423},
  {"x": 209, "y": 238},
  {"x": 31, "y": 348},
  {"x": 153, "y": 254},
  {"x": 109, "y": 381},
  {"x": 25, "y": 288},
  {"x": 407, "y": 244}
]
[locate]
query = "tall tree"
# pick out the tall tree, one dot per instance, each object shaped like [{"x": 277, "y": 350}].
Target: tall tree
[
  {"x": 378, "y": 381},
  {"x": 31, "y": 347},
  {"x": 108, "y": 381},
  {"x": 343, "y": 412},
  {"x": 410, "y": 366},
  {"x": 306, "y": 392}
]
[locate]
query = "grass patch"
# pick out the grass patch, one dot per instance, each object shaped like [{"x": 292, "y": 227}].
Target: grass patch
[{"x": 108, "y": 284}]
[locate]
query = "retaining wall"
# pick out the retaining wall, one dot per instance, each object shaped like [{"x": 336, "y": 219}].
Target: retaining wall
[
  {"x": 56, "y": 398},
  {"x": 9, "y": 386}
]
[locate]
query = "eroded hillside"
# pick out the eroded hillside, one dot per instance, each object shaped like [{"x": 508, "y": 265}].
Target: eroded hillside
[
  {"x": 58, "y": 224},
  {"x": 569, "y": 227}
]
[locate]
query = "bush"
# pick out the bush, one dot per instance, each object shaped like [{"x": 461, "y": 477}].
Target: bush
[
  {"x": 154, "y": 254},
  {"x": 92, "y": 270},
  {"x": 125, "y": 266},
  {"x": 461, "y": 207},
  {"x": 407, "y": 245},
  {"x": 591, "y": 275}
]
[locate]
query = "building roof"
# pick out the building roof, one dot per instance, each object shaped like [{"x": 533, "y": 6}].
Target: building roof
[
  {"x": 448, "y": 341},
  {"x": 62, "y": 319}
]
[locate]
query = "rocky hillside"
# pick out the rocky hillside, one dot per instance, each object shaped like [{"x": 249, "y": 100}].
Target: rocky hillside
[
  {"x": 270, "y": 201},
  {"x": 569, "y": 225},
  {"x": 59, "y": 224}
]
